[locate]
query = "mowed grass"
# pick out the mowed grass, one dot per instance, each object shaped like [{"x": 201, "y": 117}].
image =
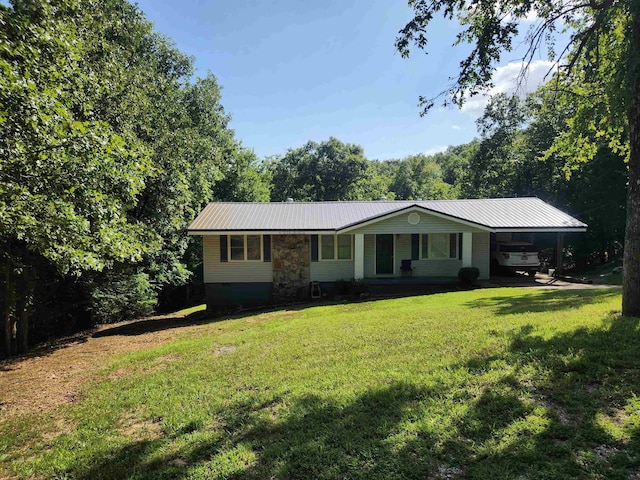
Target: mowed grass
[{"x": 484, "y": 384}]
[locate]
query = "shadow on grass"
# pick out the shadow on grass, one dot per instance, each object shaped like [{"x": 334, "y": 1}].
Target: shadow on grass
[
  {"x": 42, "y": 350},
  {"x": 584, "y": 380},
  {"x": 319, "y": 438},
  {"x": 540, "y": 420},
  {"x": 150, "y": 325},
  {"x": 543, "y": 300}
]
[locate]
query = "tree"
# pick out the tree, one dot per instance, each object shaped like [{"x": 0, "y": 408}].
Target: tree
[
  {"x": 329, "y": 170},
  {"x": 518, "y": 156},
  {"x": 108, "y": 149},
  {"x": 493, "y": 168},
  {"x": 454, "y": 161},
  {"x": 68, "y": 177},
  {"x": 604, "y": 49},
  {"x": 420, "y": 176}
]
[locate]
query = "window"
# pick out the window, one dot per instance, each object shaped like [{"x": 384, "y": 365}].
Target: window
[
  {"x": 334, "y": 247},
  {"x": 236, "y": 246},
  {"x": 438, "y": 246},
  {"x": 344, "y": 247},
  {"x": 327, "y": 247},
  {"x": 245, "y": 248},
  {"x": 254, "y": 247}
]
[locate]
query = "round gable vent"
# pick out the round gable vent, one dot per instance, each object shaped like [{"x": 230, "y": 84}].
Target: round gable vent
[{"x": 413, "y": 218}]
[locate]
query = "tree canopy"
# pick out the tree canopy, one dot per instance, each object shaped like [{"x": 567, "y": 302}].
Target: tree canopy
[
  {"x": 329, "y": 170},
  {"x": 600, "y": 66},
  {"x": 108, "y": 149}
]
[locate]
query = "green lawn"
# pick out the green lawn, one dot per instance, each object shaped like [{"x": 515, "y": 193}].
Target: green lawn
[{"x": 484, "y": 384}]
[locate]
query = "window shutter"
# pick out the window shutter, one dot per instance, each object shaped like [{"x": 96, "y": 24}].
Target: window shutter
[
  {"x": 266, "y": 248},
  {"x": 223, "y": 248},
  {"x": 415, "y": 246},
  {"x": 314, "y": 248},
  {"x": 459, "y": 246}
]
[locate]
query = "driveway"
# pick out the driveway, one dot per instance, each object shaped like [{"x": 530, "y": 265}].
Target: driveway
[{"x": 541, "y": 280}]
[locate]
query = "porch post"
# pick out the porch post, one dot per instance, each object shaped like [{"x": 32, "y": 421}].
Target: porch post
[
  {"x": 358, "y": 256},
  {"x": 467, "y": 249}
]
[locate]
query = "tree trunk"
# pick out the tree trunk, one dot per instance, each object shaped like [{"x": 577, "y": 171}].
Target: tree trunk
[
  {"x": 22, "y": 313},
  {"x": 6, "y": 332},
  {"x": 22, "y": 331},
  {"x": 631, "y": 282}
]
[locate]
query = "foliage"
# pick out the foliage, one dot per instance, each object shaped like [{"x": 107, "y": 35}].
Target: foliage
[
  {"x": 108, "y": 149},
  {"x": 602, "y": 70},
  {"x": 352, "y": 287},
  {"x": 329, "y": 170},
  {"x": 493, "y": 169},
  {"x": 454, "y": 162},
  {"x": 68, "y": 176},
  {"x": 516, "y": 157},
  {"x": 477, "y": 384},
  {"x": 420, "y": 176},
  {"x": 121, "y": 295},
  {"x": 468, "y": 275}
]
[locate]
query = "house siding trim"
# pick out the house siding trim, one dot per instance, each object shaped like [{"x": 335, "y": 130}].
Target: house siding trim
[
  {"x": 399, "y": 225},
  {"x": 407, "y": 210}
]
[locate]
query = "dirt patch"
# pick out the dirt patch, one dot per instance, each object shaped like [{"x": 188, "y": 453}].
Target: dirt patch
[
  {"x": 141, "y": 429},
  {"x": 226, "y": 349},
  {"x": 52, "y": 375},
  {"x": 60, "y": 427}
]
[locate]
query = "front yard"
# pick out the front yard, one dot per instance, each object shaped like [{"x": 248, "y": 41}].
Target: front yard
[{"x": 485, "y": 384}]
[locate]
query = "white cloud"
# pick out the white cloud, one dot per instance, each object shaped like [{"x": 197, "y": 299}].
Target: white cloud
[
  {"x": 506, "y": 80},
  {"x": 456, "y": 127},
  {"x": 434, "y": 150}
]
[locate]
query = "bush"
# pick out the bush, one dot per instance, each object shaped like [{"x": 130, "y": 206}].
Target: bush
[
  {"x": 341, "y": 287},
  {"x": 122, "y": 296},
  {"x": 468, "y": 275},
  {"x": 353, "y": 287},
  {"x": 358, "y": 287}
]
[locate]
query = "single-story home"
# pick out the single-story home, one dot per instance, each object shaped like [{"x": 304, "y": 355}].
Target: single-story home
[{"x": 258, "y": 253}]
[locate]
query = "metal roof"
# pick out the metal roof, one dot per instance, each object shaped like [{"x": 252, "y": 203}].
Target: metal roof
[{"x": 495, "y": 214}]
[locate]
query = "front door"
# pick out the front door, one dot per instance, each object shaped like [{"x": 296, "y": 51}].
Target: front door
[{"x": 384, "y": 254}]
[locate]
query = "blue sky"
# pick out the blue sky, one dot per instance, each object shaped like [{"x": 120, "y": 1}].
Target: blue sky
[{"x": 294, "y": 71}]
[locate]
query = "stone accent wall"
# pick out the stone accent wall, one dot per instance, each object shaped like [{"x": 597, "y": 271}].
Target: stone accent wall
[{"x": 291, "y": 271}]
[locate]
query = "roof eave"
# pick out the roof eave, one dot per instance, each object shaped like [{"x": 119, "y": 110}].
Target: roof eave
[
  {"x": 410, "y": 208},
  {"x": 204, "y": 232},
  {"x": 540, "y": 229}
]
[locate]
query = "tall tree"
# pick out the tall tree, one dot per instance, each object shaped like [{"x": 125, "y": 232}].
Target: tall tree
[
  {"x": 330, "y": 170},
  {"x": 108, "y": 149},
  {"x": 67, "y": 176},
  {"x": 492, "y": 169},
  {"x": 420, "y": 176},
  {"x": 491, "y": 28}
]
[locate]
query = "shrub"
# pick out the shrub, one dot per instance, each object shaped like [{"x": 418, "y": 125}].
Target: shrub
[
  {"x": 351, "y": 287},
  {"x": 341, "y": 287},
  {"x": 358, "y": 287},
  {"x": 122, "y": 296},
  {"x": 468, "y": 275}
]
